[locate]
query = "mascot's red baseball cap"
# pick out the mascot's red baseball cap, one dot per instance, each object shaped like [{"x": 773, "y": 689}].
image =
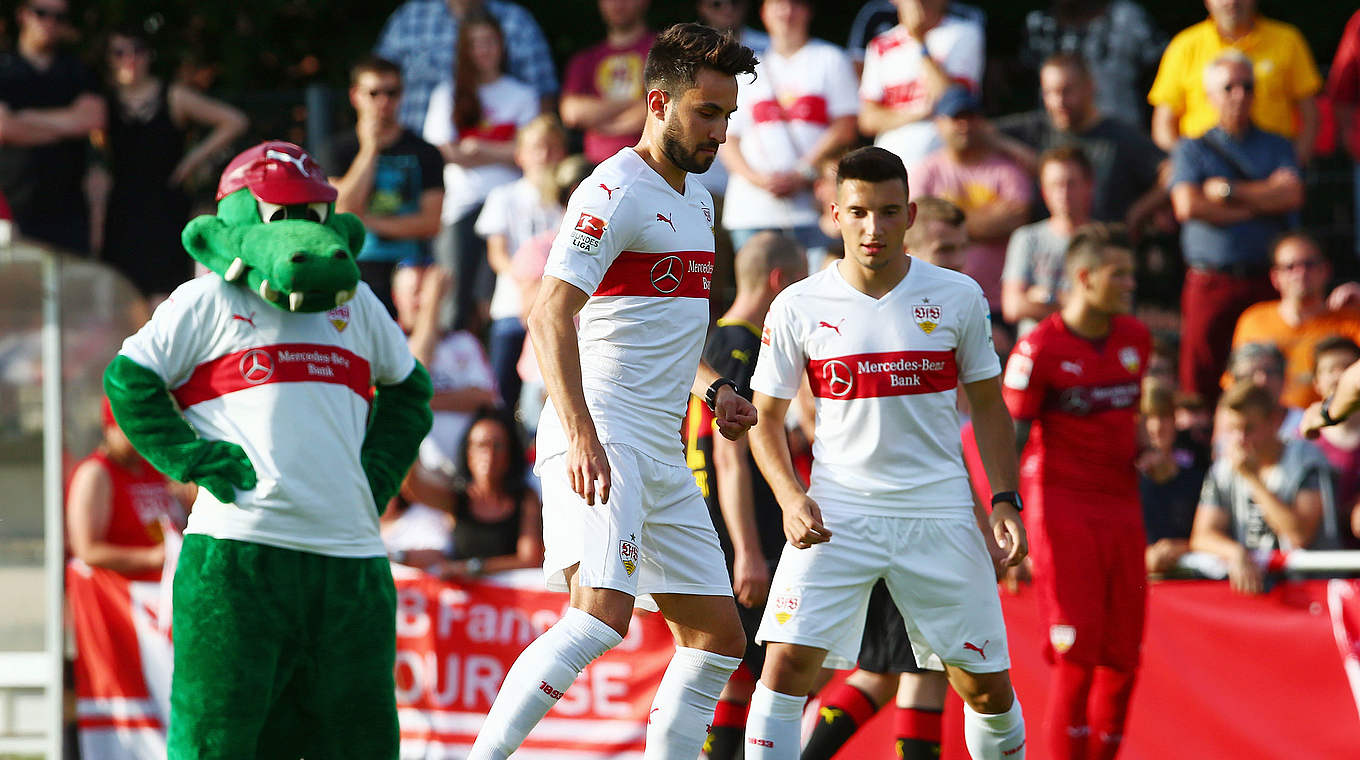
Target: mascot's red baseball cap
[{"x": 277, "y": 172}]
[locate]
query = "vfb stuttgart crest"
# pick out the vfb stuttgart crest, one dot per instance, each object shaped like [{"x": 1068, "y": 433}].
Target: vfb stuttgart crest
[
  {"x": 339, "y": 317},
  {"x": 628, "y": 552},
  {"x": 1128, "y": 356},
  {"x": 1062, "y": 637},
  {"x": 927, "y": 316},
  {"x": 785, "y": 605}
]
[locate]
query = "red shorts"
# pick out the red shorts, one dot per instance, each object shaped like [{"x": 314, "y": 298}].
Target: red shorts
[{"x": 1092, "y": 582}]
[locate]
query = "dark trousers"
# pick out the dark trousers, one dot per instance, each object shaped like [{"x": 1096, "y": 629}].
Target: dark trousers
[{"x": 1211, "y": 302}]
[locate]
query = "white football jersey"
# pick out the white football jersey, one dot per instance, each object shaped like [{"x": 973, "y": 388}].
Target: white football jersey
[
  {"x": 293, "y": 390},
  {"x": 893, "y": 77},
  {"x": 644, "y": 253},
  {"x": 884, "y": 373}
]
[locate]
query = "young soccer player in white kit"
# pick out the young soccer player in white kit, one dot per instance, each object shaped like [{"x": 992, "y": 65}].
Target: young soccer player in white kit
[
  {"x": 886, "y": 341},
  {"x": 623, "y": 521}
]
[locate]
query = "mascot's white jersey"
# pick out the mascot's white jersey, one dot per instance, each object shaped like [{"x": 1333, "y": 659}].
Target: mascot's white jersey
[
  {"x": 645, "y": 254},
  {"x": 885, "y": 374},
  {"x": 293, "y": 390}
]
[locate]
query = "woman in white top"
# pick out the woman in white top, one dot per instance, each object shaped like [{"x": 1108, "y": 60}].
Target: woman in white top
[
  {"x": 473, "y": 121},
  {"x": 514, "y": 213}
]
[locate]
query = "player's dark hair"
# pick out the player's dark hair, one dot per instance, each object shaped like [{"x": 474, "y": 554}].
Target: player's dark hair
[
  {"x": 1300, "y": 236},
  {"x": 871, "y": 164},
  {"x": 1246, "y": 396},
  {"x": 1334, "y": 343},
  {"x": 1067, "y": 154},
  {"x": 373, "y": 64},
  {"x": 1092, "y": 242},
  {"x": 467, "y": 103},
  {"x": 1070, "y": 61},
  {"x": 679, "y": 52}
]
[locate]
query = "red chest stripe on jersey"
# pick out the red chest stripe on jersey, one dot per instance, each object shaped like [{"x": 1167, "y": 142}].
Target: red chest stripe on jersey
[
  {"x": 909, "y": 92},
  {"x": 493, "y": 132},
  {"x": 808, "y": 108},
  {"x": 1082, "y": 400},
  {"x": 280, "y": 363},
  {"x": 674, "y": 274},
  {"x": 890, "y": 373}
]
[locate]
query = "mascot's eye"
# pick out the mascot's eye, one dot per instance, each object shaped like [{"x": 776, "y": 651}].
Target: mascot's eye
[
  {"x": 317, "y": 212},
  {"x": 271, "y": 212},
  {"x": 311, "y": 212}
]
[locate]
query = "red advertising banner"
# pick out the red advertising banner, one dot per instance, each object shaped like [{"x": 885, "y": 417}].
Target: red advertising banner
[
  {"x": 455, "y": 644},
  {"x": 1224, "y": 675}
]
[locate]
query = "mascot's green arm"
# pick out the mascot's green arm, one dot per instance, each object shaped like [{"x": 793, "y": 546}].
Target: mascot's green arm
[
  {"x": 151, "y": 420},
  {"x": 401, "y": 418}
]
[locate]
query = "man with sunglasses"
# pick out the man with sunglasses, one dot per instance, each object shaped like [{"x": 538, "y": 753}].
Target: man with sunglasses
[
  {"x": 1301, "y": 318},
  {"x": 1234, "y": 189},
  {"x": 387, "y": 175},
  {"x": 49, "y": 105}
]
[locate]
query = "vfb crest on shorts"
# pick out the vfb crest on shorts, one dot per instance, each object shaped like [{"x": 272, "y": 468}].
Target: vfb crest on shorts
[
  {"x": 927, "y": 316},
  {"x": 628, "y": 552},
  {"x": 1062, "y": 637},
  {"x": 785, "y": 605}
]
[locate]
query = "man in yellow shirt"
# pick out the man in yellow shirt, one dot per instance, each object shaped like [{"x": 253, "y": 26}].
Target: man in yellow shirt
[
  {"x": 1286, "y": 77},
  {"x": 1301, "y": 318}
]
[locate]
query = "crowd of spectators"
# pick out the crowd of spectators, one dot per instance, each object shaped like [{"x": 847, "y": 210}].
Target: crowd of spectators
[{"x": 461, "y": 156}]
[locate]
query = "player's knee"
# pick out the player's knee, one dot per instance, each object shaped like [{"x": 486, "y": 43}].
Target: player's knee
[
  {"x": 731, "y": 642},
  {"x": 991, "y": 700}
]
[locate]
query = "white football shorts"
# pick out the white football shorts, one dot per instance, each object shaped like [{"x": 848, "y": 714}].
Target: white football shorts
[
  {"x": 937, "y": 569},
  {"x": 654, "y": 536}
]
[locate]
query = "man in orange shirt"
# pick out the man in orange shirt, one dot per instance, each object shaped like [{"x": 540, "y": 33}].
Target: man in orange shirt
[{"x": 1301, "y": 318}]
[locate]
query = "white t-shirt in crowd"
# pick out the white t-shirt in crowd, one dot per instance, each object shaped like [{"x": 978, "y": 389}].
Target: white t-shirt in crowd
[
  {"x": 884, "y": 374},
  {"x": 893, "y": 77},
  {"x": 780, "y": 116},
  {"x": 507, "y": 105},
  {"x": 518, "y": 212},
  {"x": 644, "y": 253},
  {"x": 292, "y": 390},
  {"x": 459, "y": 362}
]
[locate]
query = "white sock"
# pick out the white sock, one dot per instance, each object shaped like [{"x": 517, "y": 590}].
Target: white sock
[
  {"x": 539, "y": 678},
  {"x": 682, "y": 710},
  {"x": 772, "y": 729},
  {"x": 995, "y": 737}
]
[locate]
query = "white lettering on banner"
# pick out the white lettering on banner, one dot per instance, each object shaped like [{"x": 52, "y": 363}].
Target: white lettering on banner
[{"x": 471, "y": 681}]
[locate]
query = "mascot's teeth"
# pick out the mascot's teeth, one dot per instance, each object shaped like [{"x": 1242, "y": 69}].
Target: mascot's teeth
[
  {"x": 266, "y": 292},
  {"x": 294, "y": 301},
  {"x": 343, "y": 296},
  {"x": 237, "y": 268}
]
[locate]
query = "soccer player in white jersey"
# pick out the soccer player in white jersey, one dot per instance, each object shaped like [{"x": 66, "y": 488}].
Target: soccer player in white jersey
[
  {"x": 886, "y": 341},
  {"x": 623, "y": 522}
]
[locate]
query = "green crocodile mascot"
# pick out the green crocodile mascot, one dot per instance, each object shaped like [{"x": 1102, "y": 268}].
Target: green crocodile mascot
[{"x": 285, "y": 391}]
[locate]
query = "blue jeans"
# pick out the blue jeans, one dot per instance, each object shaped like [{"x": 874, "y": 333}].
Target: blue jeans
[{"x": 504, "y": 342}]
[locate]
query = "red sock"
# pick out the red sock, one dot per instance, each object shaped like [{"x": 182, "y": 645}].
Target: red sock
[
  {"x": 730, "y": 714},
  {"x": 853, "y": 702},
  {"x": 1069, "y": 688},
  {"x": 918, "y": 732},
  {"x": 1110, "y": 696}
]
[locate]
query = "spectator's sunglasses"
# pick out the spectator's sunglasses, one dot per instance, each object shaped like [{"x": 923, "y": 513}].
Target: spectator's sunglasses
[
  {"x": 60, "y": 17},
  {"x": 1247, "y": 87}
]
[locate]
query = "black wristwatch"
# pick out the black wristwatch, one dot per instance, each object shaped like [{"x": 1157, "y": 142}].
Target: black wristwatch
[
  {"x": 1010, "y": 497},
  {"x": 1327, "y": 419},
  {"x": 711, "y": 396}
]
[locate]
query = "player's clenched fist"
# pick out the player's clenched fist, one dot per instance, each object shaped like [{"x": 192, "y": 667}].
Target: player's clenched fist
[
  {"x": 587, "y": 467},
  {"x": 803, "y": 524},
  {"x": 733, "y": 414},
  {"x": 1010, "y": 533}
]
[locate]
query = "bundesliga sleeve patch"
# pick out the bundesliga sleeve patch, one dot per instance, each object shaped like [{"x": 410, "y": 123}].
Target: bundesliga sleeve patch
[
  {"x": 1018, "y": 370},
  {"x": 588, "y": 231}
]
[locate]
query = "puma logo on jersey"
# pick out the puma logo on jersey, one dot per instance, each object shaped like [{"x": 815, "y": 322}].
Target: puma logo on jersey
[
  {"x": 830, "y": 714},
  {"x": 666, "y": 219},
  {"x": 608, "y": 191},
  {"x": 829, "y": 326},
  {"x": 976, "y": 648},
  {"x": 250, "y": 320}
]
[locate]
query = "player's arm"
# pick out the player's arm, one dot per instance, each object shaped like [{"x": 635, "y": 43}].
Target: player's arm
[
  {"x": 736, "y": 500},
  {"x": 553, "y": 330},
  {"x": 802, "y": 517},
  {"x": 732, "y": 414},
  {"x": 995, "y": 434},
  {"x": 1209, "y": 534},
  {"x": 89, "y": 507}
]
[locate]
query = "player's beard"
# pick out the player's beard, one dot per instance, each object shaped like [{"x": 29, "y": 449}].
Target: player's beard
[{"x": 690, "y": 160}]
